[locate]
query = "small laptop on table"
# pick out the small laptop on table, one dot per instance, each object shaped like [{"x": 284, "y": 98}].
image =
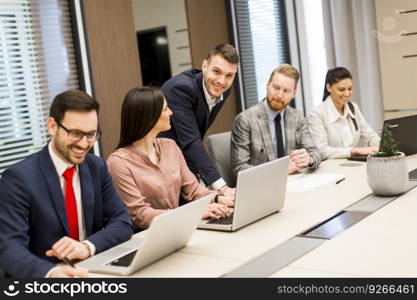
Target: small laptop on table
[
  {"x": 167, "y": 233},
  {"x": 260, "y": 191}
]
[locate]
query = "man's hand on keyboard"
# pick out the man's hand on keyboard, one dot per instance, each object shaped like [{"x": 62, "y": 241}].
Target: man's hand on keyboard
[{"x": 216, "y": 211}]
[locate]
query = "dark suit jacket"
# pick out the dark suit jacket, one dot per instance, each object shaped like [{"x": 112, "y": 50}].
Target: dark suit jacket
[
  {"x": 190, "y": 120},
  {"x": 33, "y": 216}
]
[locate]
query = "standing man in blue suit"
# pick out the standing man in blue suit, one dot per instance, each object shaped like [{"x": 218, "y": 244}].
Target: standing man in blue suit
[
  {"x": 60, "y": 202},
  {"x": 195, "y": 98}
]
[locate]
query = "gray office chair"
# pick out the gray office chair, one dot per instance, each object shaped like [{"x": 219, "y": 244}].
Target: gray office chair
[{"x": 218, "y": 147}]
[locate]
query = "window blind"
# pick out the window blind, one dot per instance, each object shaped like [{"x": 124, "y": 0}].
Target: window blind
[
  {"x": 37, "y": 61},
  {"x": 262, "y": 38}
]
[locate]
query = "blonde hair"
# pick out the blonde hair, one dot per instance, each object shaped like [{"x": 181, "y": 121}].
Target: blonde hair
[{"x": 287, "y": 70}]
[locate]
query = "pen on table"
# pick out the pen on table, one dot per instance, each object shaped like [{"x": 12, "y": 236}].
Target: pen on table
[
  {"x": 340, "y": 180},
  {"x": 69, "y": 262}
]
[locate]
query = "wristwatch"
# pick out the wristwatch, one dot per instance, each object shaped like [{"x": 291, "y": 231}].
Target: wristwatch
[
  {"x": 312, "y": 159},
  {"x": 216, "y": 199}
]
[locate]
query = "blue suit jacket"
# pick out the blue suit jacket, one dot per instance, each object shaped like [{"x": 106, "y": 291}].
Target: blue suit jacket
[
  {"x": 190, "y": 120},
  {"x": 33, "y": 216}
]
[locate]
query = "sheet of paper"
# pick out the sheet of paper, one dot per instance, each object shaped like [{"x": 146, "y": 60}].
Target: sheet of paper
[{"x": 306, "y": 182}]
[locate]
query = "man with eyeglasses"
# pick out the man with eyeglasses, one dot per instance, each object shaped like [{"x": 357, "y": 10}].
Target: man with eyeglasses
[{"x": 59, "y": 204}]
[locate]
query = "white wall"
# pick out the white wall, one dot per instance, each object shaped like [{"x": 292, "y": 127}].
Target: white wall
[
  {"x": 398, "y": 74},
  {"x": 350, "y": 43},
  {"x": 170, "y": 13}
]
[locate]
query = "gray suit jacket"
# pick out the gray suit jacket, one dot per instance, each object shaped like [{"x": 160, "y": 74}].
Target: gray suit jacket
[{"x": 251, "y": 143}]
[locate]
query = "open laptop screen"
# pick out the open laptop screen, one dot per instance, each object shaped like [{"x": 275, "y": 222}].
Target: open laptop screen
[{"x": 403, "y": 131}]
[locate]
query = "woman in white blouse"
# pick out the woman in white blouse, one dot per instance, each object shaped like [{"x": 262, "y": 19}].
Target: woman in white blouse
[{"x": 337, "y": 125}]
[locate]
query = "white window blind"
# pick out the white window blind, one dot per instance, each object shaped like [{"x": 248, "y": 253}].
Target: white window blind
[
  {"x": 37, "y": 61},
  {"x": 262, "y": 38}
]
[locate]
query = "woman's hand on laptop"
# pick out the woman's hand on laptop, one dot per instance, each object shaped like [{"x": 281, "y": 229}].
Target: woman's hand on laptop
[
  {"x": 69, "y": 248},
  {"x": 216, "y": 211},
  {"x": 363, "y": 150}
]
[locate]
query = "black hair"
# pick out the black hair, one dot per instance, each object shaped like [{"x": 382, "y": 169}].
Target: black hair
[
  {"x": 72, "y": 100},
  {"x": 141, "y": 110},
  {"x": 334, "y": 76}
]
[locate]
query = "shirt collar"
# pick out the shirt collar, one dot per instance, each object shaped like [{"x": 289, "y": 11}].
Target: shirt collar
[
  {"x": 60, "y": 165},
  {"x": 334, "y": 114},
  {"x": 210, "y": 97},
  {"x": 270, "y": 112}
]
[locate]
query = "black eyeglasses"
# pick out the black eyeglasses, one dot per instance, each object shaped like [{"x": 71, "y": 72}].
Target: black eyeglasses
[{"x": 77, "y": 135}]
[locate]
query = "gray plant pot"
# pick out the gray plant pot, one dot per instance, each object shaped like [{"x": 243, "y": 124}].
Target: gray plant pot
[{"x": 387, "y": 176}]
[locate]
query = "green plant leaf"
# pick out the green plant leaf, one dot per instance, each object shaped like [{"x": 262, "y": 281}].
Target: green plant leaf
[{"x": 388, "y": 146}]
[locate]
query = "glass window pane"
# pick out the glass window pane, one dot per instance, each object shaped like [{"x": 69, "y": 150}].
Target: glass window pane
[
  {"x": 37, "y": 61},
  {"x": 263, "y": 44}
]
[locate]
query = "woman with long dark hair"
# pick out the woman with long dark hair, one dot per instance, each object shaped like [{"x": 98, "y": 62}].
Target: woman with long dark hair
[
  {"x": 150, "y": 173},
  {"x": 337, "y": 125}
]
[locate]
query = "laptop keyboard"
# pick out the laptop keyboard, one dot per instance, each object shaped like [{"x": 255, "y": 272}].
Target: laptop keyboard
[
  {"x": 125, "y": 260},
  {"x": 358, "y": 158},
  {"x": 222, "y": 221}
]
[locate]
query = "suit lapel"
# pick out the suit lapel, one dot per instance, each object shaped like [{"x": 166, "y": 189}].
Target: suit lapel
[
  {"x": 264, "y": 128},
  {"x": 87, "y": 196},
  {"x": 55, "y": 192},
  {"x": 199, "y": 81},
  {"x": 289, "y": 120}
]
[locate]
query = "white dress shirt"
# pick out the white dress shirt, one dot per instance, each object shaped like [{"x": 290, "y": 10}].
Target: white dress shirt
[
  {"x": 334, "y": 134},
  {"x": 212, "y": 102},
  {"x": 61, "y": 166}
]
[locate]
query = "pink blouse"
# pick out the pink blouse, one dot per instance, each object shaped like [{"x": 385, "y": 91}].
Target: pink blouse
[{"x": 150, "y": 189}]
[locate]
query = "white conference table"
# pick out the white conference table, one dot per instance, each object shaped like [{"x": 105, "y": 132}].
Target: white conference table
[
  {"x": 214, "y": 253},
  {"x": 384, "y": 244}
]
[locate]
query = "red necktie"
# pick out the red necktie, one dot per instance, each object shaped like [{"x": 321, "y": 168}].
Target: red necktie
[{"x": 71, "y": 204}]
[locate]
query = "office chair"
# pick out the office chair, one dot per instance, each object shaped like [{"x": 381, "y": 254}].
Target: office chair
[{"x": 218, "y": 147}]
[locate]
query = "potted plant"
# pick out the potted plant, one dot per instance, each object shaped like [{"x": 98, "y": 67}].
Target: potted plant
[{"x": 387, "y": 169}]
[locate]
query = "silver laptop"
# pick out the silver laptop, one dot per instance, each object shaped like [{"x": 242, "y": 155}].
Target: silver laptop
[
  {"x": 167, "y": 233},
  {"x": 260, "y": 191}
]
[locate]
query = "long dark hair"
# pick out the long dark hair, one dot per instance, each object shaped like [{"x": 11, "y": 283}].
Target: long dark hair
[
  {"x": 141, "y": 109},
  {"x": 334, "y": 76}
]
